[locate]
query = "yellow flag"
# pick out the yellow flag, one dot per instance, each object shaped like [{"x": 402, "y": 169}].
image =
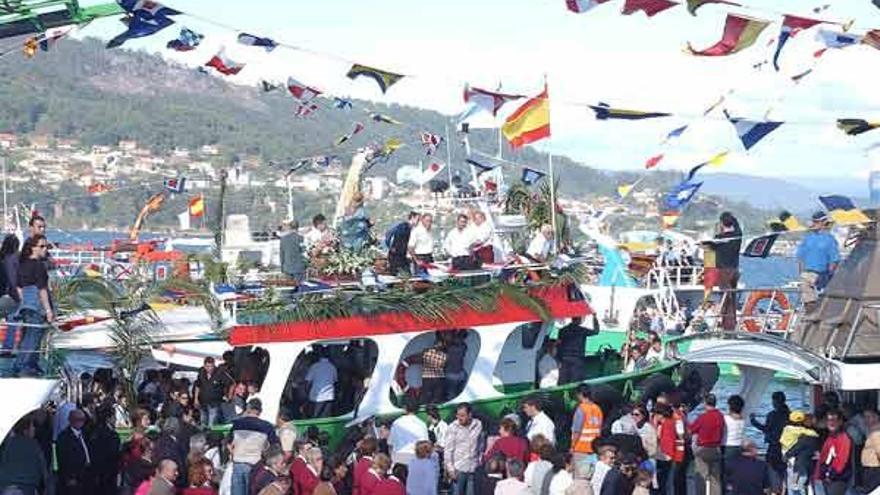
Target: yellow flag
[{"x": 719, "y": 159}]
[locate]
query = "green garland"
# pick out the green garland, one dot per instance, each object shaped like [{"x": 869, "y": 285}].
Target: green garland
[{"x": 436, "y": 303}]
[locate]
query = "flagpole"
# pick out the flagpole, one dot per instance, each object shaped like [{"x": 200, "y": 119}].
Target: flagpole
[
  {"x": 448, "y": 158},
  {"x": 553, "y": 198},
  {"x": 552, "y": 182}
]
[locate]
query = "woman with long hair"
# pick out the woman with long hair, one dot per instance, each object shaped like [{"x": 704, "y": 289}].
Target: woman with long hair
[
  {"x": 35, "y": 310},
  {"x": 8, "y": 283}
]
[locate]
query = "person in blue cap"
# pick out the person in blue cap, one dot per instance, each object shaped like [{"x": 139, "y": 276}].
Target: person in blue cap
[{"x": 818, "y": 255}]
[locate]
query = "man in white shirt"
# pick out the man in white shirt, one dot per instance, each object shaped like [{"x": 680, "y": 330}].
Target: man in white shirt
[
  {"x": 406, "y": 431},
  {"x": 321, "y": 378},
  {"x": 421, "y": 241},
  {"x": 481, "y": 239},
  {"x": 513, "y": 484},
  {"x": 458, "y": 244},
  {"x": 315, "y": 236},
  {"x": 607, "y": 454},
  {"x": 542, "y": 244},
  {"x": 539, "y": 422}
]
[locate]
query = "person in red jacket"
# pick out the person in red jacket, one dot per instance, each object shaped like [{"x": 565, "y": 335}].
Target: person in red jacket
[
  {"x": 709, "y": 430},
  {"x": 394, "y": 484},
  {"x": 508, "y": 443},
  {"x": 366, "y": 448},
  {"x": 375, "y": 475},
  {"x": 299, "y": 464},
  {"x": 833, "y": 467},
  {"x": 310, "y": 477},
  {"x": 670, "y": 452}
]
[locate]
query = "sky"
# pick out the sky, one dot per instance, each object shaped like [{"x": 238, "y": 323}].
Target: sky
[{"x": 630, "y": 62}]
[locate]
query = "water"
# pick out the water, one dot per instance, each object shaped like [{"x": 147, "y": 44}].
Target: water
[
  {"x": 797, "y": 395},
  {"x": 769, "y": 272}
]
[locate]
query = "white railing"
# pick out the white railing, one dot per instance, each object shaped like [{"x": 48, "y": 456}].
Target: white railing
[{"x": 674, "y": 276}]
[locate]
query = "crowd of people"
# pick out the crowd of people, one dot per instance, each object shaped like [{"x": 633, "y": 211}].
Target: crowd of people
[
  {"x": 412, "y": 244},
  {"x": 657, "y": 446}
]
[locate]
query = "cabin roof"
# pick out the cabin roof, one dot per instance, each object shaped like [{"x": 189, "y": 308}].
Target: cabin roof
[{"x": 555, "y": 298}]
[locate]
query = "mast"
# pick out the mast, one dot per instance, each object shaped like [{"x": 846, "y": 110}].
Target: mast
[
  {"x": 221, "y": 206},
  {"x": 289, "y": 200},
  {"x": 448, "y": 157},
  {"x": 552, "y": 182},
  {"x": 5, "y": 204}
]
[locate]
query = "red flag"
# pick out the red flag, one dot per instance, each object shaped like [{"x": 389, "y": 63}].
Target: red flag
[
  {"x": 653, "y": 161},
  {"x": 649, "y": 7},
  {"x": 224, "y": 64}
]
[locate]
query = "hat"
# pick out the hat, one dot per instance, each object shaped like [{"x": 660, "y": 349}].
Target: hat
[
  {"x": 797, "y": 417},
  {"x": 820, "y": 217},
  {"x": 255, "y": 405}
]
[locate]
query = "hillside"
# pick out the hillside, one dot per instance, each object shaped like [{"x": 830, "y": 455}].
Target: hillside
[{"x": 82, "y": 91}]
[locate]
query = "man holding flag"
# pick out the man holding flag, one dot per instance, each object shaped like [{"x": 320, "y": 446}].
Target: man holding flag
[{"x": 818, "y": 256}]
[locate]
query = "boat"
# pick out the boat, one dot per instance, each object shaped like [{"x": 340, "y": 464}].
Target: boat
[
  {"x": 505, "y": 324},
  {"x": 834, "y": 348}
]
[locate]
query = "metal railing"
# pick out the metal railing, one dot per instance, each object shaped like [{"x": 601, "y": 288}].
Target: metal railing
[
  {"x": 675, "y": 276},
  {"x": 768, "y": 321}
]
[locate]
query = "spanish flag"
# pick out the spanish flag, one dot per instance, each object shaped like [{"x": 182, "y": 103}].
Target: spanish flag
[
  {"x": 530, "y": 122},
  {"x": 740, "y": 32},
  {"x": 197, "y": 206}
]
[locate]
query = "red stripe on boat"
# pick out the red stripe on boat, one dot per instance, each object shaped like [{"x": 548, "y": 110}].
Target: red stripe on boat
[{"x": 508, "y": 311}]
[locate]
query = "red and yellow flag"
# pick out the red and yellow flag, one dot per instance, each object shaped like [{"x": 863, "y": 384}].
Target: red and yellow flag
[
  {"x": 740, "y": 32},
  {"x": 197, "y": 206},
  {"x": 530, "y": 122}
]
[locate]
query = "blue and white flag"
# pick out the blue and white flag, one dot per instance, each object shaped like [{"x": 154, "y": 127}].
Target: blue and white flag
[
  {"x": 146, "y": 17},
  {"x": 531, "y": 176},
  {"x": 251, "y": 40},
  {"x": 342, "y": 103},
  {"x": 750, "y": 132},
  {"x": 837, "y": 39},
  {"x": 186, "y": 41},
  {"x": 681, "y": 195}
]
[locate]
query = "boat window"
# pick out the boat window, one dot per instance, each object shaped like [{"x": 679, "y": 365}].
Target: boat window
[
  {"x": 517, "y": 365},
  {"x": 311, "y": 390},
  {"x": 458, "y": 350}
]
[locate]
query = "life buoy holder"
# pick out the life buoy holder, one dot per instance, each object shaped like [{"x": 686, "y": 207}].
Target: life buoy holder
[{"x": 753, "y": 324}]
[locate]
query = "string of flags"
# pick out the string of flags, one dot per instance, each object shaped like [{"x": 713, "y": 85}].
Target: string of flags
[
  {"x": 144, "y": 18},
  {"x": 530, "y": 122}
]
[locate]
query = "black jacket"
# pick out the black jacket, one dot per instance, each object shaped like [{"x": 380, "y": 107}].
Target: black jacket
[{"x": 72, "y": 463}]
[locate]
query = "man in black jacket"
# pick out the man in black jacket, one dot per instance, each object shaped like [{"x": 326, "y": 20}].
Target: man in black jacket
[
  {"x": 571, "y": 348},
  {"x": 170, "y": 446},
  {"x": 397, "y": 241},
  {"x": 727, "y": 243},
  {"x": 74, "y": 457}
]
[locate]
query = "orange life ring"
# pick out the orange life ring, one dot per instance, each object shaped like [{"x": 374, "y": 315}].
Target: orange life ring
[{"x": 751, "y": 324}]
